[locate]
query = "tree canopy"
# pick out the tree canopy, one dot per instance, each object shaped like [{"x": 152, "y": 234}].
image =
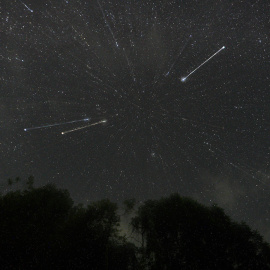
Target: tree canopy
[
  {"x": 180, "y": 233},
  {"x": 41, "y": 228}
]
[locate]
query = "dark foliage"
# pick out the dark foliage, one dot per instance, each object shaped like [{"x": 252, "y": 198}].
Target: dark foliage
[
  {"x": 41, "y": 228},
  {"x": 179, "y": 233}
]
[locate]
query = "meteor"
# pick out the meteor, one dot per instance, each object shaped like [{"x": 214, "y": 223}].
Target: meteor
[
  {"x": 183, "y": 79},
  {"x": 180, "y": 52},
  {"x": 201, "y": 123},
  {"x": 79, "y": 128},
  {"x": 58, "y": 124},
  {"x": 106, "y": 22},
  {"x": 27, "y": 7}
]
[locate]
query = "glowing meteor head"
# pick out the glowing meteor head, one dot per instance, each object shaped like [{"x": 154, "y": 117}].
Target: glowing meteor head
[
  {"x": 223, "y": 47},
  {"x": 25, "y": 129},
  {"x": 183, "y": 79},
  {"x": 62, "y": 133},
  {"x": 104, "y": 121},
  {"x": 86, "y": 119}
]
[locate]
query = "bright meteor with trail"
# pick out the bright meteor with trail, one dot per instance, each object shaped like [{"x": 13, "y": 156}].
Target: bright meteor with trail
[
  {"x": 79, "y": 128},
  {"x": 58, "y": 124},
  {"x": 183, "y": 79},
  {"x": 27, "y": 7}
]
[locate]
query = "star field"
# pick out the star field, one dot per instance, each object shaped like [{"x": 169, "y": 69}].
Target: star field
[{"x": 139, "y": 99}]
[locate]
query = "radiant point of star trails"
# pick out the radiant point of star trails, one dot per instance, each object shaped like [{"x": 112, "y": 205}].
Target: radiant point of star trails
[
  {"x": 58, "y": 124},
  {"x": 83, "y": 127},
  {"x": 183, "y": 79}
]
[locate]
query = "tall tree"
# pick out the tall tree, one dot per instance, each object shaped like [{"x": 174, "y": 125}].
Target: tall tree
[
  {"x": 40, "y": 228},
  {"x": 180, "y": 233}
]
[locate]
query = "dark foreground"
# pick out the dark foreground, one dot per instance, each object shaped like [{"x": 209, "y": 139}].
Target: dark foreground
[{"x": 41, "y": 228}]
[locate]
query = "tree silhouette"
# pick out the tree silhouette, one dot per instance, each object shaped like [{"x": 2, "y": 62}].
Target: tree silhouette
[
  {"x": 30, "y": 182},
  {"x": 40, "y": 228},
  {"x": 129, "y": 205},
  {"x": 29, "y": 221},
  {"x": 179, "y": 233},
  {"x": 9, "y": 181}
]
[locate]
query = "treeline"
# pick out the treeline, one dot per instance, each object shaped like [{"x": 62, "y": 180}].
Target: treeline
[{"x": 41, "y": 228}]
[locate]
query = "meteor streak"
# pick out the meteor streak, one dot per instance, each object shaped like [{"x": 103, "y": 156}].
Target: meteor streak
[
  {"x": 104, "y": 17},
  {"x": 202, "y": 123},
  {"x": 79, "y": 128},
  {"x": 27, "y": 7},
  {"x": 58, "y": 124},
  {"x": 131, "y": 68},
  {"x": 180, "y": 52},
  {"x": 183, "y": 79}
]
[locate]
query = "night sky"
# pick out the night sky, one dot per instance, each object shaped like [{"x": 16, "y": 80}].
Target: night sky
[{"x": 121, "y": 73}]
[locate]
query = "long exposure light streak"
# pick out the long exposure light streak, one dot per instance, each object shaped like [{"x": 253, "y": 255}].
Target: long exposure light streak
[
  {"x": 183, "y": 79},
  {"x": 58, "y": 124},
  {"x": 80, "y": 128}
]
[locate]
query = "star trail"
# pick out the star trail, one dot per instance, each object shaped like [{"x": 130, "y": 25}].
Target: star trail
[{"x": 171, "y": 96}]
